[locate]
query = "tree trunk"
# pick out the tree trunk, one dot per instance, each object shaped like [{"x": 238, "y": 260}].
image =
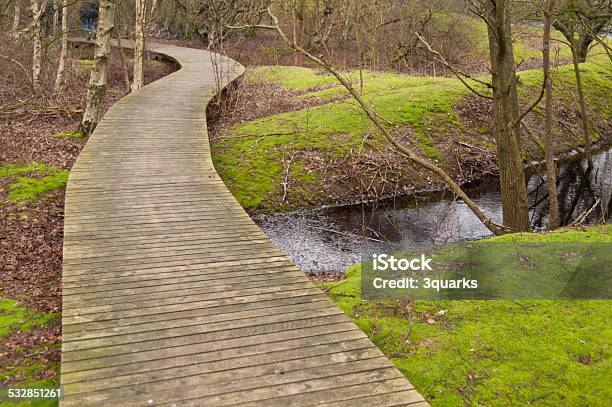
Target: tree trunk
[
  {"x": 551, "y": 170},
  {"x": 98, "y": 77},
  {"x": 582, "y": 105},
  {"x": 59, "y": 78},
  {"x": 56, "y": 9},
  {"x": 17, "y": 17},
  {"x": 37, "y": 13},
  {"x": 139, "y": 45},
  {"x": 506, "y": 110},
  {"x": 582, "y": 48},
  {"x": 126, "y": 74},
  {"x": 153, "y": 11}
]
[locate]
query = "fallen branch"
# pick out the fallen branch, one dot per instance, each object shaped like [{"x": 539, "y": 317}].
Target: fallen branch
[{"x": 581, "y": 218}]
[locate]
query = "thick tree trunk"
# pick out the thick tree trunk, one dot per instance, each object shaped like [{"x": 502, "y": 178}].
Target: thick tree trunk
[
  {"x": 98, "y": 78},
  {"x": 37, "y": 12},
  {"x": 506, "y": 110},
  {"x": 59, "y": 78},
  {"x": 551, "y": 170},
  {"x": 139, "y": 45},
  {"x": 17, "y": 18},
  {"x": 582, "y": 105},
  {"x": 582, "y": 48}
]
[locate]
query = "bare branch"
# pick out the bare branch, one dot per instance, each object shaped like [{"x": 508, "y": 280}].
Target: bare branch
[
  {"x": 25, "y": 71},
  {"x": 458, "y": 73},
  {"x": 535, "y": 102},
  {"x": 373, "y": 116}
]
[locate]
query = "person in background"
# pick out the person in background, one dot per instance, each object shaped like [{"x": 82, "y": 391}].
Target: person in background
[{"x": 89, "y": 17}]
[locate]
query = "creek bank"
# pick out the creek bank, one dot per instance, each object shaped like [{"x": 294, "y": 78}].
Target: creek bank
[
  {"x": 298, "y": 143},
  {"x": 333, "y": 238},
  {"x": 486, "y": 349}
]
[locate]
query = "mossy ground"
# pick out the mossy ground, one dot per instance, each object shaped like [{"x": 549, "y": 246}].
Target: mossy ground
[
  {"x": 41, "y": 179},
  {"x": 77, "y": 134},
  {"x": 23, "y": 364},
  {"x": 253, "y": 157},
  {"x": 17, "y": 368},
  {"x": 494, "y": 353}
]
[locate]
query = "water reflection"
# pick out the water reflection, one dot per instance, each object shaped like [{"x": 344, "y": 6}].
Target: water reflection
[{"x": 333, "y": 239}]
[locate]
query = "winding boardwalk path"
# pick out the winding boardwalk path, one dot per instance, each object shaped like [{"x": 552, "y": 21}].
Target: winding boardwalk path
[{"x": 172, "y": 296}]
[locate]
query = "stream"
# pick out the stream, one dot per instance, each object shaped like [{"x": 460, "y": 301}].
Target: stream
[{"x": 331, "y": 239}]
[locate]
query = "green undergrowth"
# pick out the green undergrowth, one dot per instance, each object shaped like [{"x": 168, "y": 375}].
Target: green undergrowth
[
  {"x": 77, "y": 134},
  {"x": 254, "y": 156},
  {"x": 16, "y": 367},
  {"x": 15, "y": 317},
  {"x": 29, "y": 183},
  {"x": 496, "y": 352}
]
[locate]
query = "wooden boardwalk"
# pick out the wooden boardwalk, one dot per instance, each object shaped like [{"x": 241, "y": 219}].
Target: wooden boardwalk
[{"x": 173, "y": 296}]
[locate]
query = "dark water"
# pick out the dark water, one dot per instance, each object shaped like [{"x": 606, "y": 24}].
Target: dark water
[{"x": 334, "y": 238}]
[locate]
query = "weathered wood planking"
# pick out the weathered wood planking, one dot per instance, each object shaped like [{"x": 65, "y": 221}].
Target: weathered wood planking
[{"x": 172, "y": 296}]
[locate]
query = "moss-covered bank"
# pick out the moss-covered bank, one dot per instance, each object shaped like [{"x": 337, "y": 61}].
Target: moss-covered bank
[{"x": 494, "y": 353}]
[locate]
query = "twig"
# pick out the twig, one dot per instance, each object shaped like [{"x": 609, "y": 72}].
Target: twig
[
  {"x": 285, "y": 182},
  {"x": 407, "y": 334},
  {"x": 25, "y": 71},
  {"x": 535, "y": 102},
  {"x": 462, "y": 143},
  {"x": 458, "y": 73},
  {"x": 584, "y": 215}
]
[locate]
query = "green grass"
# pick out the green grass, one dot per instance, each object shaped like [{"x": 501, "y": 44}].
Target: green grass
[
  {"x": 77, "y": 134},
  {"x": 16, "y": 318},
  {"x": 250, "y": 158},
  {"x": 494, "y": 353},
  {"x": 25, "y": 189},
  {"x": 291, "y": 77}
]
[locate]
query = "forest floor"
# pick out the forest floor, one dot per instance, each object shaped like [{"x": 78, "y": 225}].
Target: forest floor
[
  {"x": 497, "y": 352},
  {"x": 37, "y": 150}
]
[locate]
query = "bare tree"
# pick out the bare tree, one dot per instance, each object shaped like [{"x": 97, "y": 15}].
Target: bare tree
[
  {"x": 214, "y": 21},
  {"x": 61, "y": 68},
  {"x": 17, "y": 17},
  {"x": 139, "y": 44},
  {"x": 580, "y": 22},
  {"x": 496, "y": 15},
  {"x": 37, "y": 9},
  {"x": 549, "y": 149},
  {"x": 98, "y": 77}
]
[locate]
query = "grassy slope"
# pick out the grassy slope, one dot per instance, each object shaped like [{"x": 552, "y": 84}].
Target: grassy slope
[
  {"x": 495, "y": 352},
  {"x": 250, "y": 159}
]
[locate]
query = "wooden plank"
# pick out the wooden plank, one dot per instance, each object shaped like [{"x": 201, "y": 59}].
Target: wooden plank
[{"x": 172, "y": 295}]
